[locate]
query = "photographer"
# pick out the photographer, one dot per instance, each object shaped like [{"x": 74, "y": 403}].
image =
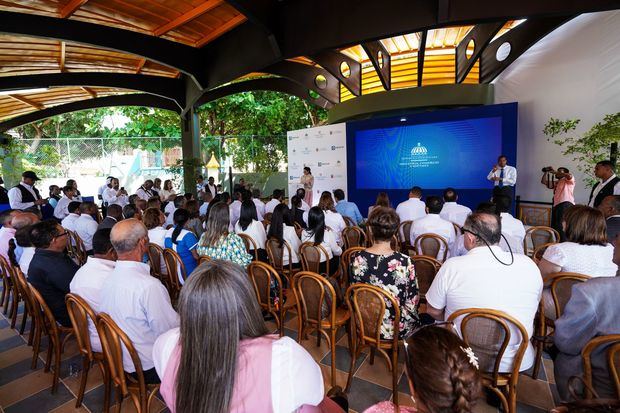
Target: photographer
[{"x": 563, "y": 185}]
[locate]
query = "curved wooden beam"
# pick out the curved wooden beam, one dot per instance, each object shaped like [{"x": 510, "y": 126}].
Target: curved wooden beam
[
  {"x": 307, "y": 76},
  {"x": 481, "y": 34},
  {"x": 274, "y": 84},
  {"x": 137, "y": 99}
]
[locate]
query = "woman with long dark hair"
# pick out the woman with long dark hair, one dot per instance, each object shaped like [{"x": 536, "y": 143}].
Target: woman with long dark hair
[
  {"x": 220, "y": 358},
  {"x": 382, "y": 201},
  {"x": 281, "y": 228},
  {"x": 182, "y": 241},
  {"x": 249, "y": 225},
  {"x": 217, "y": 242},
  {"x": 318, "y": 234},
  {"x": 298, "y": 212}
]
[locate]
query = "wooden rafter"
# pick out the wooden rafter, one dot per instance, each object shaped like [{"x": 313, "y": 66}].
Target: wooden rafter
[
  {"x": 187, "y": 17},
  {"x": 71, "y": 8},
  {"x": 235, "y": 21},
  {"x": 63, "y": 53},
  {"x": 88, "y": 90},
  {"x": 141, "y": 64},
  {"x": 28, "y": 102}
]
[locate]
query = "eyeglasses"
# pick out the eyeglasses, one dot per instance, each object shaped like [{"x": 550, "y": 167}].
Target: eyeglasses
[{"x": 62, "y": 234}]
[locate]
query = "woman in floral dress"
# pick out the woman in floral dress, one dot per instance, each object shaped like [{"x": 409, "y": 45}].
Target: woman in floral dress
[
  {"x": 219, "y": 244},
  {"x": 389, "y": 270}
]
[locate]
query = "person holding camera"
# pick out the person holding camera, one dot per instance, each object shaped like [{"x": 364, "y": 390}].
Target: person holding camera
[{"x": 563, "y": 184}]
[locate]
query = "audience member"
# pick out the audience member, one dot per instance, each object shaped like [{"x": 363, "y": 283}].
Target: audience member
[
  {"x": 610, "y": 207},
  {"x": 442, "y": 373},
  {"x": 488, "y": 277},
  {"x": 51, "y": 270},
  {"x": 182, "y": 241},
  {"x": 347, "y": 208},
  {"x": 592, "y": 311},
  {"x": 452, "y": 211},
  {"x": 132, "y": 211},
  {"x": 332, "y": 218},
  {"x": 89, "y": 279},
  {"x": 7, "y": 232},
  {"x": 136, "y": 301},
  {"x": 86, "y": 225},
  {"x": 585, "y": 251},
  {"x": 282, "y": 229},
  {"x": 276, "y": 374},
  {"x": 61, "y": 210},
  {"x": 188, "y": 196},
  {"x": 432, "y": 223},
  {"x": 206, "y": 199},
  {"x": 276, "y": 199},
  {"x": 318, "y": 234},
  {"x": 211, "y": 187},
  {"x": 166, "y": 194},
  {"x": 235, "y": 208},
  {"x": 200, "y": 183},
  {"x": 609, "y": 183},
  {"x": 113, "y": 195},
  {"x": 146, "y": 191},
  {"x": 240, "y": 186},
  {"x": 178, "y": 202},
  {"x": 154, "y": 202},
  {"x": 392, "y": 271},
  {"x": 71, "y": 219},
  {"x": 512, "y": 228},
  {"x": 103, "y": 187},
  {"x": 218, "y": 243},
  {"x": 301, "y": 193},
  {"x": 21, "y": 249},
  {"x": 260, "y": 205},
  {"x": 24, "y": 195},
  {"x": 156, "y": 187},
  {"x": 114, "y": 214},
  {"x": 249, "y": 225},
  {"x": 154, "y": 220},
  {"x": 413, "y": 208},
  {"x": 141, "y": 204},
  {"x": 195, "y": 223},
  {"x": 297, "y": 211},
  {"x": 382, "y": 201},
  {"x": 73, "y": 183},
  {"x": 225, "y": 198},
  {"x": 54, "y": 195},
  {"x": 132, "y": 199}
]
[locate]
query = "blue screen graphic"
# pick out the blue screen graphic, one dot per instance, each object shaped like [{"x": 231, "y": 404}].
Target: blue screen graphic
[{"x": 457, "y": 153}]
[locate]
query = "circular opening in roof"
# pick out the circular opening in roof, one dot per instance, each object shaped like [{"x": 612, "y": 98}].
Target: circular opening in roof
[
  {"x": 503, "y": 51},
  {"x": 320, "y": 81},
  {"x": 313, "y": 94},
  {"x": 471, "y": 46},
  {"x": 380, "y": 58},
  {"x": 345, "y": 70}
]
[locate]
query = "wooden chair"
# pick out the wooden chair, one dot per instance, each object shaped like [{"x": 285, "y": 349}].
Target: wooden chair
[
  {"x": 82, "y": 315},
  {"x": 298, "y": 228},
  {"x": 353, "y": 237},
  {"x": 348, "y": 221},
  {"x": 45, "y": 323},
  {"x": 263, "y": 276},
  {"x": 367, "y": 304},
  {"x": 560, "y": 286},
  {"x": 488, "y": 333},
  {"x": 430, "y": 245},
  {"x": 7, "y": 283},
  {"x": 537, "y": 236},
  {"x": 176, "y": 271},
  {"x": 345, "y": 265},
  {"x": 311, "y": 256},
  {"x": 203, "y": 259},
  {"x": 612, "y": 344},
  {"x": 77, "y": 250},
  {"x": 250, "y": 245},
  {"x": 20, "y": 280},
  {"x": 275, "y": 252},
  {"x": 426, "y": 268},
  {"x": 404, "y": 231},
  {"x": 457, "y": 229},
  {"x": 317, "y": 305},
  {"x": 113, "y": 340},
  {"x": 540, "y": 251},
  {"x": 156, "y": 259}
]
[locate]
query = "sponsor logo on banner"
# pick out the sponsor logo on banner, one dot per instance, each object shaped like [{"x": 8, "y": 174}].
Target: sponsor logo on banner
[
  {"x": 306, "y": 151},
  {"x": 334, "y": 147},
  {"x": 323, "y": 163}
]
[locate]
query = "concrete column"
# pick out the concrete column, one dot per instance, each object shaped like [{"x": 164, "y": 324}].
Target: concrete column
[{"x": 190, "y": 143}]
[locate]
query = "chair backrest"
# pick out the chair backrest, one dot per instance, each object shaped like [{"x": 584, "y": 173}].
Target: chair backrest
[
  {"x": 203, "y": 259},
  {"x": 353, "y": 236},
  {"x": 345, "y": 265},
  {"x": 156, "y": 255},
  {"x": 250, "y": 245},
  {"x": 539, "y": 251},
  {"x": 263, "y": 276},
  {"x": 368, "y": 304},
  {"x": 488, "y": 333},
  {"x": 348, "y": 221},
  {"x": 275, "y": 252},
  {"x": 457, "y": 229},
  {"x": 175, "y": 267},
  {"x": 426, "y": 269},
  {"x": 612, "y": 347},
  {"x": 43, "y": 313},
  {"x": 81, "y": 314},
  {"x": 561, "y": 284},
  {"x": 78, "y": 248},
  {"x": 315, "y": 294},
  {"x": 19, "y": 279},
  {"x": 430, "y": 245},
  {"x": 539, "y": 235},
  {"x": 404, "y": 229},
  {"x": 311, "y": 257},
  {"x": 113, "y": 339}
]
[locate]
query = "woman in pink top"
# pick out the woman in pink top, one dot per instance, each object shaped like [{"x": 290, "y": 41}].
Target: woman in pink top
[
  {"x": 442, "y": 373},
  {"x": 563, "y": 184},
  {"x": 222, "y": 358}
]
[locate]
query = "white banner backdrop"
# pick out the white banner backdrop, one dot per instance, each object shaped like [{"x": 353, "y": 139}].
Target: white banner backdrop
[{"x": 324, "y": 150}]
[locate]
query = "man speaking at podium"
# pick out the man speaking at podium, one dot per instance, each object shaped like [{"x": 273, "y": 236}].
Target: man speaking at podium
[{"x": 504, "y": 177}]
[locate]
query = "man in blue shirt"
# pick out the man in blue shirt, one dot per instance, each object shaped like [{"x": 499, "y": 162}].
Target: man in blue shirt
[{"x": 346, "y": 208}]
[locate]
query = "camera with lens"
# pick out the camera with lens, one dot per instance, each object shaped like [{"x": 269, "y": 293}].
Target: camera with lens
[{"x": 547, "y": 169}]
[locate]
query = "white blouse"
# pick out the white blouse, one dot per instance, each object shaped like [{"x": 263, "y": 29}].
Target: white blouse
[
  {"x": 290, "y": 235},
  {"x": 256, "y": 231},
  {"x": 329, "y": 243},
  {"x": 296, "y": 379},
  {"x": 591, "y": 260}
]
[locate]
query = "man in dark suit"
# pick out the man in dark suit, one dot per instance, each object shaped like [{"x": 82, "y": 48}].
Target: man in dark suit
[
  {"x": 609, "y": 183},
  {"x": 115, "y": 214},
  {"x": 610, "y": 207}
]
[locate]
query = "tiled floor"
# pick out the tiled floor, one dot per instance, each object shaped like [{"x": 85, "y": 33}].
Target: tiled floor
[{"x": 26, "y": 390}]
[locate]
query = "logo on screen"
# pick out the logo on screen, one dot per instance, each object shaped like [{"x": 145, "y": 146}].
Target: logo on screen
[{"x": 419, "y": 150}]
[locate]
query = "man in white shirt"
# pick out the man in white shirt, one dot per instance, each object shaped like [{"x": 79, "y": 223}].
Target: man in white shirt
[
  {"x": 114, "y": 195},
  {"x": 206, "y": 199},
  {"x": 171, "y": 207},
  {"x": 88, "y": 280},
  {"x": 260, "y": 205},
  {"x": 452, "y": 211},
  {"x": 413, "y": 208},
  {"x": 487, "y": 277},
  {"x": 276, "y": 199},
  {"x": 146, "y": 191},
  {"x": 86, "y": 225},
  {"x": 74, "y": 213},
  {"x": 24, "y": 195},
  {"x": 504, "y": 177},
  {"x": 609, "y": 183},
  {"x": 235, "y": 208},
  {"x": 136, "y": 301},
  {"x": 61, "y": 210},
  {"x": 512, "y": 228},
  {"x": 432, "y": 223},
  {"x": 200, "y": 183},
  {"x": 103, "y": 188}
]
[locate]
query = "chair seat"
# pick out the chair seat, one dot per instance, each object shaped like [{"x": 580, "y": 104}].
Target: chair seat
[
  {"x": 342, "y": 316},
  {"x": 502, "y": 379}
]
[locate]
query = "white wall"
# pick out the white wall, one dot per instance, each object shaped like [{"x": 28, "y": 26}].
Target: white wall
[{"x": 574, "y": 72}]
